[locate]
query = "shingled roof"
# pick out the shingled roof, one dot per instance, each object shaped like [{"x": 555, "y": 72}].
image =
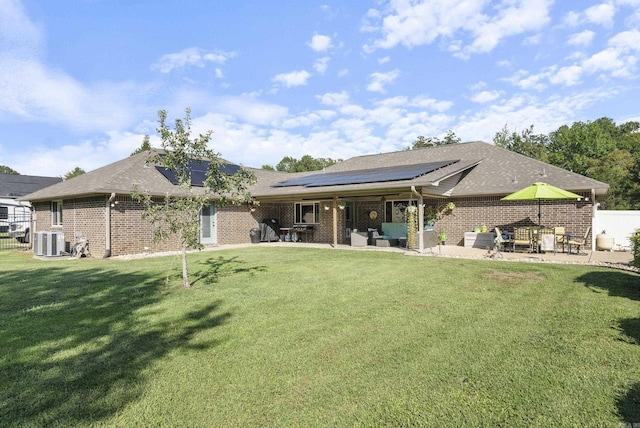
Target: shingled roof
[
  {"x": 121, "y": 177},
  {"x": 480, "y": 169},
  {"x": 15, "y": 186},
  {"x": 470, "y": 169}
]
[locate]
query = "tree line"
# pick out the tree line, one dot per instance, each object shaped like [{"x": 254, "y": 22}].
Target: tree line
[{"x": 600, "y": 149}]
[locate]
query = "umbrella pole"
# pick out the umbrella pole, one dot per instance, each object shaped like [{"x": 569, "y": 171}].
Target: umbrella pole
[{"x": 539, "y": 226}]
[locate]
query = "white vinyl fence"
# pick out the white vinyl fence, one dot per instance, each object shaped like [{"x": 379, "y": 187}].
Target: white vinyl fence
[{"x": 618, "y": 224}]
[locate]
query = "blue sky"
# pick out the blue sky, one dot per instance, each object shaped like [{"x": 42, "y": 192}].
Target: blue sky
[{"x": 81, "y": 81}]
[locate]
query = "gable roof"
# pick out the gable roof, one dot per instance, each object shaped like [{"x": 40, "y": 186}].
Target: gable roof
[
  {"x": 470, "y": 169},
  {"x": 15, "y": 186},
  {"x": 464, "y": 170},
  {"x": 121, "y": 177}
]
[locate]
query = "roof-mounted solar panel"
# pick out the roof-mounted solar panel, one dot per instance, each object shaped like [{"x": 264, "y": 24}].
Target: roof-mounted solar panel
[
  {"x": 198, "y": 171},
  {"x": 374, "y": 175}
]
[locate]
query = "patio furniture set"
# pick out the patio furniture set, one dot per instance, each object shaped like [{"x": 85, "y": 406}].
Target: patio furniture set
[{"x": 541, "y": 239}]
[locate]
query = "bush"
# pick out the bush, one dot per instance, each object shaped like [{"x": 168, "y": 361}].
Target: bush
[{"x": 635, "y": 242}]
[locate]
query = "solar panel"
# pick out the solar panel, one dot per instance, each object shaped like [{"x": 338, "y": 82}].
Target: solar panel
[
  {"x": 374, "y": 175},
  {"x": 198, "y": 171}
]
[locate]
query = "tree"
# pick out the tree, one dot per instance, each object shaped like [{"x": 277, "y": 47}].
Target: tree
[
  {"x": 306, "y": 163},
  {"x": 74, "y": 173},
  {"x": 600, "y": 150},
  {"x": 6, "y": 170},
  {"x": 422, "y": 142},
  {"x": 526, "y": 143},
  {"x": 575, "y": 147},
  {"x": 179, "y": 214},
  {"x": 603, "y": 151},
  {"x": 144, "y": 147}
]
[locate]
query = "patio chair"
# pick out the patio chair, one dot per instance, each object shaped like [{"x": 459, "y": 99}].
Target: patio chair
[
  {"x": 545, "y": 240},
  {"x": 561, "y": 239},
  {"x": 522, "y": 237},
  {"x": 579, "y": 243},
  {"x": 502, "y": 240}
]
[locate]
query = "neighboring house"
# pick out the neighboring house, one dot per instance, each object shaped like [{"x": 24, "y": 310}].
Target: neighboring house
[
  {"x": 359, "y": 193},
  {"x": 14, "y": 186},
  {"x": 13, "y": 211}
]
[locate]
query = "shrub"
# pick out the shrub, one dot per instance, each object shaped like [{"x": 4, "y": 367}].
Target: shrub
[{"x": 635, "y": 243}]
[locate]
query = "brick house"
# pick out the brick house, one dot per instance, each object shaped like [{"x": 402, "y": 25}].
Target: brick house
[{"x": 359, "y": 193}]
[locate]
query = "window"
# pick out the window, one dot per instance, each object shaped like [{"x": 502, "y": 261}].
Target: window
[
  {"x": 56, "y": 213},
  {"x": 394, "y": 211},
  {"x": 308, "y": 212}
]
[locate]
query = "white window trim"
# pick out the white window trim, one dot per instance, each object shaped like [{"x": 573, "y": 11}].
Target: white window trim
[
  {"x": 56, "y": 215},
  {"x": 297, "y": 212}
]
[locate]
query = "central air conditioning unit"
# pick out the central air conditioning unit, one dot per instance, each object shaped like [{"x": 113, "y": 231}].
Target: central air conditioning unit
[{"x": 47, "y": 243}]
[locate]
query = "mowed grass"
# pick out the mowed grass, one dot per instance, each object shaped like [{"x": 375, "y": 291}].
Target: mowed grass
[{"x": 273, "y": 336}]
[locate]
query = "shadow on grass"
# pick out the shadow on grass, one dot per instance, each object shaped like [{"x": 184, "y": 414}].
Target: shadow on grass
[
  {"x": 616, "y": 283},
  {"x": 77, "y": 342},
  {"x": 626, "y": 285},
  {"x": 629, "y": 405},
  {"x": 212, "y": 269}
]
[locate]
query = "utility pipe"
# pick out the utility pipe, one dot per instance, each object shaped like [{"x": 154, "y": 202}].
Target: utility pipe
[{"x": 107, "y": 235}]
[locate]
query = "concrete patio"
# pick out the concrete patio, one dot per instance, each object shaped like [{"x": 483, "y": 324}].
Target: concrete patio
[{"x": 619, "y": 259}]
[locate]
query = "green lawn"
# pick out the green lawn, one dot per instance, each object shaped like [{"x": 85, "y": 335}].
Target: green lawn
[{"x": 310, "y": 337}]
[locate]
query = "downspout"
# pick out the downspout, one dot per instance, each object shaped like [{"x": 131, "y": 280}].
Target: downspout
[
  {"x": 107, "y": 234},
  {"x": 420, "y": 219}
]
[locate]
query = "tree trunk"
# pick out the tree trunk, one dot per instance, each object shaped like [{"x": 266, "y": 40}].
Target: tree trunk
[{"x": 185, "y": 275}]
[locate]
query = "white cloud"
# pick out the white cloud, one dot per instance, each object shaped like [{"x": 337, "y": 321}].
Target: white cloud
[
  {"x": 583, "y": 38},
  {"x": 250, "y": 110},
  {"x": 30, "y": 90},
  {"x": 295, "y": 78},
  {"x": 514, "y": 18},
  {"x": 601, "y": 14},
  {"x": 421, "y": 23},
  {"x": 618, "y": 60},
  {"x": 425, "y": 102},
  {"x": 190, "y": 56},
  {"x": 320, "y": 43},
  {"x": 572, "y": 19},
  {"x": 485, "y": 96},
  {"x": 309, "y": 119},
  {"x": 334, "y": 98},
  {"x": 321, "y": 65},
  {"x": 378, "y": 81},
  {"x": 19, "y": 36},
  {"x": 478, "y": 86},
  {"x": 620, "y": 57},
  {"x": 567, "y": 76}
]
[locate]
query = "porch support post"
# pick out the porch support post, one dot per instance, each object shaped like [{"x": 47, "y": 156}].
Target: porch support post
[
  {"x": 420, "y": 218},
  {"x": 335, "y": 221}
]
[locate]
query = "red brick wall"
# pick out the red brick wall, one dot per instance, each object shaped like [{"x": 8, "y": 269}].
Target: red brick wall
[
  {"x": 84, "y": 216},
  {"x": 130, "y": 234},
  {"x": 575, "y": 216}
]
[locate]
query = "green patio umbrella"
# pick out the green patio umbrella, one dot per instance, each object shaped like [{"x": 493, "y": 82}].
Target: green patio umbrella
[{"x": 540, "y": 191}]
